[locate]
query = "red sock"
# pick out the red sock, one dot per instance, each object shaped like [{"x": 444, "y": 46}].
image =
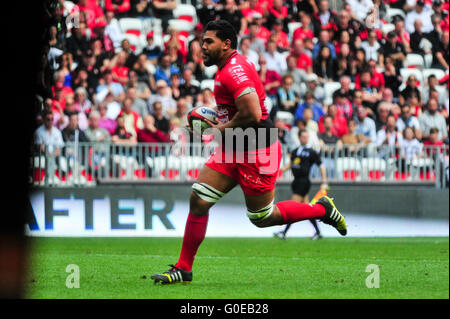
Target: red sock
[
  {"x": 293, "y": 211},
  {"x": 194, "y": 233}
]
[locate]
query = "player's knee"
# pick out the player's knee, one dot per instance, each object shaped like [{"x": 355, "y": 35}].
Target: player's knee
[
  {"x": 203, "y": 197},
  {"x": 261, "y": 217}
]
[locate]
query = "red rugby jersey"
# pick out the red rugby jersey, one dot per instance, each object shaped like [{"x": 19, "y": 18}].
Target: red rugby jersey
[{"x": 236, "y": 75}]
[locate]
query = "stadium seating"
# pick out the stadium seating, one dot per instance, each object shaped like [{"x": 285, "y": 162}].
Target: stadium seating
[
  {"x": 437, "y": 72},
  {"x": 131, "y": 25},
  {"x": 292, "y": 26},
  {"x": 210, "y": 72},
  {"x": 348, "y": 168},
  {"x": 181, "y": 25},
  {"x": 207, "y": 84},
  {"x": 186, "y": 12},
  {"x": 392, "y": 12},
  {"x": 405, "y": 73},
  {"x": 414, "y": 60},
  {"x": 388, "y": 27},
  {"x": 330, "y": 88}
]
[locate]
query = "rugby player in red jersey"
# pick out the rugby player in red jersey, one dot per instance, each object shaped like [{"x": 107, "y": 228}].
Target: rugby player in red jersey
[{"x": 254, "y": 166}]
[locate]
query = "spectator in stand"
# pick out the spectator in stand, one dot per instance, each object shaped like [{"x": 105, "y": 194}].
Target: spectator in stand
[
  {"x": 254, "y": 7},
  {"x": 343, "y": 65},
  {"x": 365, "y": 125},
  {"x": 94, "y": 132},
  {"x": 132, "y": 120},
  {"x": 406, "y": 119},
  {"x": 371, "y": 46},
  {"x": 310, "y": 124},
  {"x": 327, "y": 138},
  {"x": 298, "y": 75},
  {"x": 142, "y": 88},
  {"x": 71, "y": 109},
  {"x": 396, "y": 51},
  {"x": 176, "y": 47},
  {"x": 440, "y": 53},
  {"x": 351, "y": 137},
  {"x": 311, "y": 104},
  {"x": 195, "y": 60},
  {"x": 287, "y": 99},
  {"x": 121, "y": 136},
  {"x": 422, "y": 12},
  {"x": 403, "y": 36},
  {"x": 142, "y": 69},
  {"x": 339, "y": 122},
  {"x": 283, "y": 132},
  {"x": 389, "y": 135},
  {"x": 435, "y": 35},
  {"x": 109, "y": 86},
  {"x": 293, "y": 135},
  {"x": 410, "y": 147},
  {"x": 104, "y": 121},
  {"x": 152, "y": 50},
  {"x": 95, "y": 17},
  {"x": 118, "y": 69},
  {"x": 206, "y": 12},
  {"x": 275, "y": 61},
  {"x": 304, "y": 31},
  {"x": 82, "y": 103},
  {"x": 206, "y": 98},
  {"x": 48, "y": 137},
  {"x": 281, "y": 38},
  {"x": 307, "y": 6},
  {"x": 370, "y": 95},
  {"x": 381, "y": 116},
  {"x": 141, "y": 8},
  {"x": 78, "y": 43},
  {"x": 359, "y": 62},
  {"x": 150, "y": 134},
  {"x": 343, "y": 104},
  {"x": 258, "y": 34},
  {"x": 418, "y": 40},
  {"x": 175, "y": 88},
  {"x": 161, "y": 122},
  {"x": 163, "y": 9},
  {"x": 325, "y": 19},
  {"x": 230, "y": 12},
  {"x": 72, "y": 133},
  {"x": 278, "y": 11},
  {"x": 361, "y": 8},
  {"x": 139, "y": 105},
  {"x": 182, "y": 111},
  {"x": 347, "y": 24},
  {"x": 429, "y": 87},
  {"x": 431, "y": 118},
  {"x": 165, "y": 69},
  {"x": 269, "y": 78},
  {"x": 129, "y": 53},
  {"x": 324, "y": 40},
  {"x": 312, "y": 84},
  {"x": 392, "y": 78},
  {"x": 188, "y": 89},
  {"x": 376, "y": 78},
  {"x": 345, "y": 90},
  {"x": 410, "y": 89},
  {"x": 432, "y": 141},
  {"x": 245, "y": 50},
  {"x": 388, "y": 97},
  {"x": 303, "y": 60},
  {"x": 323, "y": 65},
  {"x": 121, "y": 8}
]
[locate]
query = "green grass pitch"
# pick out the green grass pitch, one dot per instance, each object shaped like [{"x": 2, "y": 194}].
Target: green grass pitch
[{"x": 296, "y": 268}]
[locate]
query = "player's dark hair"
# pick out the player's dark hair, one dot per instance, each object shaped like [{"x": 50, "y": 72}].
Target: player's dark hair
[{"x": 224, "y": 30}]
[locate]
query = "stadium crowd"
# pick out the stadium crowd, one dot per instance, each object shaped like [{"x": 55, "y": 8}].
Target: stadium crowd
[{"x": 347, "y": 77}]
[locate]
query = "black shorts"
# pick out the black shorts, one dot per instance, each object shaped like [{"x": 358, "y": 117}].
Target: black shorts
[{"x": 301, "y": 186}]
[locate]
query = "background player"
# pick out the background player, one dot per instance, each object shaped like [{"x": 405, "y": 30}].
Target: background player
[
  {"x": 302, "y": 159},
  {"x": 240, "y": 100}
]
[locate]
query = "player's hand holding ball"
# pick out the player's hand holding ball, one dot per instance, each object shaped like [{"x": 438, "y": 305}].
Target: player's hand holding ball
[{"x": 200, "y": 118}]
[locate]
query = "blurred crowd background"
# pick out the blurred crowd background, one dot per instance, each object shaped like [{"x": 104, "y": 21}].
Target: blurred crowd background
[{"x": 349, "y": 72}]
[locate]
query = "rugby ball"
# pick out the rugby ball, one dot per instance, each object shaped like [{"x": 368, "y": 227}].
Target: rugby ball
[{"x": 196, "y": 118}]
